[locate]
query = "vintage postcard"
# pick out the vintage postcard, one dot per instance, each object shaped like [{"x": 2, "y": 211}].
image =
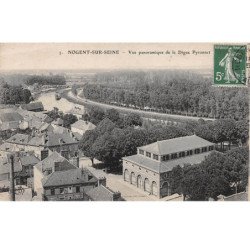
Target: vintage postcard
[{"x": 124, "y": 121}]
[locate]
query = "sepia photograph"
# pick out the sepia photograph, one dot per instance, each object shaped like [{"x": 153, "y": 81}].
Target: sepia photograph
[{"x": 124, "y": 122}]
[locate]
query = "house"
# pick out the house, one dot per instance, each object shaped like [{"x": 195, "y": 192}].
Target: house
[
  {"x": 68, "y": 185},
  {"x": 82, "y": 126},
  {"x": 102, "y": 193},
  {"x": 52, "y": 163},
  {"x": 23, "y": 167},
  {"x": 10, "y": 120},
  {"x": 33, "y": 106},
  {"x": 64, "y": 143},
  {"x": 150, "y": 168}
]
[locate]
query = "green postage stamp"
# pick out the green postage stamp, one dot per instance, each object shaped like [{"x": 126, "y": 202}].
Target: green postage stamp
[{"x": 230, "y": 65}]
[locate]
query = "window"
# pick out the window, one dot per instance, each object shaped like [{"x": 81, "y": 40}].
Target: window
[
  {"x": 174, "y": 156},
  {"x": 182, "y": 154},
  {"x": 165, "y": 157},
  {"x": 77, "y": 189},
  {"x": 52, "y": 191},
  {"x": 197, "y": 151},
  {"x": 61, "y": 190},
  {"x": 211, "y": 148},
  {"x": 148, "y": 154},
  {"x": 204, "y": 149},
  {"x": 141, "y": 152},
  {"x": 155, "y": 157}
]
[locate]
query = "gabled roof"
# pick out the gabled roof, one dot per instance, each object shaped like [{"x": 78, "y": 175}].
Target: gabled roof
[
  {"x": 49, "y": 162},
  {"x": 83, "y": 125},
  {"x": 10, "y": 117},
  {"x": 19, "y": 139},
  {"x": 162, "y": 167},
  {"x": 100, "y": 193},
  {"x": 33, "y": 106},
  {"x": 68, "y": 177},
  {"x": 176, "y": 145},
  {"x": 29, "y": 160}
]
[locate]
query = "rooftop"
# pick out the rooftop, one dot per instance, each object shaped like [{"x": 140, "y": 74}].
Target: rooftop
[
  {"x": 68, "y": 177},
  {"x": 162, "y": 167},
  {"x": 48, "y": 163},
  {"x": 10, "y": 117},
  {"x": 83, "y": 125},
  {"x": 100, "y": 193},
  {"x": 176, "y": 145},
  {"x": 33, "y": 106}
]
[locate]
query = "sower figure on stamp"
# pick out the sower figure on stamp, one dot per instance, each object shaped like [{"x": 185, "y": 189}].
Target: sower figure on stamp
[{"x": 227, "y": 62}]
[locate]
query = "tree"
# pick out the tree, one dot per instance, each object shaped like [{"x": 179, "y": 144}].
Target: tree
[
  {"x": 86, "y": 144},
  {"x": 69, "y": 119},
  {"x": 96, "y": 115},
  {"x": 132, "y": 119},
  {"x": 177, "y": 175},
  {"x": 113, "y": 115}
]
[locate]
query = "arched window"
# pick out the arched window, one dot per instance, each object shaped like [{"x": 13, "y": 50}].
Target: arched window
[
  {"x": 139, "y": 182},
  {"x": 133, "y": 179},
  {"x": 154, "y": 188},
  {"x": 147, "y": 185},
  {"x": 126, "y": 175}
]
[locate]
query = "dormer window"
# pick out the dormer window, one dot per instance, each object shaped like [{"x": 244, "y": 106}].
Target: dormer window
[{"x": 148, "y": 154}]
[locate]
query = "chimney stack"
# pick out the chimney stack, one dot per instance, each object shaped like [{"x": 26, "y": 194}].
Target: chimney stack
[{"x": 12, "y": 184}]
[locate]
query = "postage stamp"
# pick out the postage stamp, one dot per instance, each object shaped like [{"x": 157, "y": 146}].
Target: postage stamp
[{"x": 230, "y": 65}]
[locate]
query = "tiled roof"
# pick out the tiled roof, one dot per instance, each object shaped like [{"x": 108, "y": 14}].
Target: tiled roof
[
  {"x": 29, "y": 160},
  {"x": 48, "y": 139},
  {"x": 69, "y": 177},
  {"x": 48, "y": 163},
  {"x": 176, "y": 145},
  {"x": 83, "y": 125},
  {"x": 162, "y": 167},
  {"x": 100, "y": 193},
  {"x": 32, "y": 106},
  {"x": 10, "y": 117},
  {"x": 19, "y": 138}
]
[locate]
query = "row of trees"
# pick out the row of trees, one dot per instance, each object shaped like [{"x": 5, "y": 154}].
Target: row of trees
[
  {"x": 219, "y": 173},
  {"x": 219, "y": 131},
  {"x": 172, "y": 92},
  {"x": 46, "y": 80},
  {"x": 117, "y": 136},
  {"x": 11, "y": 94}
]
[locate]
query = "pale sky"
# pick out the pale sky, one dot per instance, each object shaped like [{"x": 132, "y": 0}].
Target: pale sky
[{"x": 44, "y": 56}]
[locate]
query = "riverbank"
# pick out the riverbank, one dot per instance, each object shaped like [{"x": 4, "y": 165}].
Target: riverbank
[{"x": 124, "y": 110}]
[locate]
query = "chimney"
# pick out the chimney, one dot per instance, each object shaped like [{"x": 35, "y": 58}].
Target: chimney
[{"x": 12, "y": 184}]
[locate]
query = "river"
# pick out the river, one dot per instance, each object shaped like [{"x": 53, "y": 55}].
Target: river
[{"x": 49, "y": 102}]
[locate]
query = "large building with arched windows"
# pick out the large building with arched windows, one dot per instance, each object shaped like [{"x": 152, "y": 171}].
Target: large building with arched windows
[{"x": 150, "y": 168}]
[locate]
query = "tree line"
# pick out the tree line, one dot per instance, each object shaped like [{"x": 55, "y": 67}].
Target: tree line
[
  {"x": 14, "y": 94},
  {"x": 46, "y": 80},
  {"x": 219, "y": 174},
  {"x": 174, "y": 92}
]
